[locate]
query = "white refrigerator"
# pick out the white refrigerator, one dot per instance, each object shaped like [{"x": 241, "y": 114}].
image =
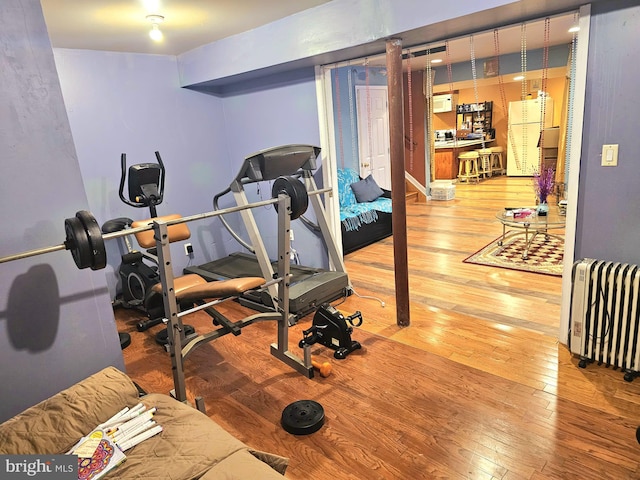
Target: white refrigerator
[{"x": 525, "y": 124}]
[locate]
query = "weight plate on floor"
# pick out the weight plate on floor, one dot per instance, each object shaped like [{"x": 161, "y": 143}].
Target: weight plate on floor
[
  {"x": 77, "y": 242},
  {"x": 162, "y": 337},
  {"x": 94, "y": 234},
  {"x": 302, "y": 417},
  {"x": 125, "y": 340},
  {"x": 295, "y": 190}
]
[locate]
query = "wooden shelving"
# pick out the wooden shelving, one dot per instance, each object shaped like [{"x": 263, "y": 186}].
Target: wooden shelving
[{"x": 475, "y": 118}]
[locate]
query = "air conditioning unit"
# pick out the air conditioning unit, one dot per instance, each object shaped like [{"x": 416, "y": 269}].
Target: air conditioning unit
[{"x": 444, "y": 103}]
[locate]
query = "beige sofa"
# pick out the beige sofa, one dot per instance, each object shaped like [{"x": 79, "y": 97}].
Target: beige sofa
[{"x": 191, "y": 445}]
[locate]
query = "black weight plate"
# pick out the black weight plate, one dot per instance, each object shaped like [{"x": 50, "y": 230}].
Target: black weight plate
[
  {"x": 295, "y": 190},
  {"x": 125, "y": 340},
  {"x": 77, "y": 242},
  {"x": 162, "y": 337},
  {"x": 302, "y": 417},
  {"x": 99, "y": 252}
]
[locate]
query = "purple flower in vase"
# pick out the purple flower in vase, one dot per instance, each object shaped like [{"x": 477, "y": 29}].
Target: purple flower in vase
[{"x": 543, "y": 183}]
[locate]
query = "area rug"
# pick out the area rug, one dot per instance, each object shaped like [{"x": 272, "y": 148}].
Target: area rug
[{"x": 545, "y": 255}]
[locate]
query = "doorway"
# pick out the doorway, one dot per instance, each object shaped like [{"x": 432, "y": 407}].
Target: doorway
[
  {"x": 334, "y": 135},
  {"x": 373, "y": 134}
]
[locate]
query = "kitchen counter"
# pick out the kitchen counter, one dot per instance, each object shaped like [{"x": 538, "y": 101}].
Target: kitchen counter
[
  {"x": 446, "y": 156},
  {"x": 460, "y": 143}
]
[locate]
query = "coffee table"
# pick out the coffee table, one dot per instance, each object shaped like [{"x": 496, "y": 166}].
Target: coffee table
[{"x": 532, "y": 224}]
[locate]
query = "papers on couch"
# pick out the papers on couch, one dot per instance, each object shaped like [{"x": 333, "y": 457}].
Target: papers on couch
[{"x": 102, "y": 449}]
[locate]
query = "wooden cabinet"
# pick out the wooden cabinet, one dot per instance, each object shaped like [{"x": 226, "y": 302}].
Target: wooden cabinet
[{"x": 446, "y": 165}]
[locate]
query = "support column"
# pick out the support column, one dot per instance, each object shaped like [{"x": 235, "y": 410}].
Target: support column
[{"x": 398, "y": 193}]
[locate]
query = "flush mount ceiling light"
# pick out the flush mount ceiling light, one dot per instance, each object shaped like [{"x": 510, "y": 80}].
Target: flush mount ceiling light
[{"x": 155, "y": 33}]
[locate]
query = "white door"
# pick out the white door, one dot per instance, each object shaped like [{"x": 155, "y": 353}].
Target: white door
[{"x": 373, "y": 134}]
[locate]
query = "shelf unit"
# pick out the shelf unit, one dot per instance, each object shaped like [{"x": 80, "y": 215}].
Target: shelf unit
[{"x": 475, "y": 118}]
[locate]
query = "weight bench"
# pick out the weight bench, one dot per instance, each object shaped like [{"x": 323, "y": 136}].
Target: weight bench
[
  {"x": 197, "y": 291},
  {"x": 192, "y": 289}
]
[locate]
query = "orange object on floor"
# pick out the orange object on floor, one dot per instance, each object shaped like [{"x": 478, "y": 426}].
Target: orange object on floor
[{"x": 324, "y": 368}]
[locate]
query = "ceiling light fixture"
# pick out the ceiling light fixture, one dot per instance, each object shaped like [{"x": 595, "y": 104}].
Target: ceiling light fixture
[{"x": 155, "y": 33}]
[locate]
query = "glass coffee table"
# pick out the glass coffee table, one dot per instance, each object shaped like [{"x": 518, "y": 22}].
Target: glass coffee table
[{"x": 533, "y": 224}]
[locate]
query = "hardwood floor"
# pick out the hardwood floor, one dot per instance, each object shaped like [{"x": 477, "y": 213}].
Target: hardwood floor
[{"x": 478, "y": 387}]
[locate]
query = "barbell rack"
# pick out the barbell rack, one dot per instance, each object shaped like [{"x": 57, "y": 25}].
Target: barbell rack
[{"x": 178, "y": 346}]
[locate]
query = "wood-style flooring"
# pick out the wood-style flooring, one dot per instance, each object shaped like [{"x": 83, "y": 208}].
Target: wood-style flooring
[{"x": 477, "y": 387}]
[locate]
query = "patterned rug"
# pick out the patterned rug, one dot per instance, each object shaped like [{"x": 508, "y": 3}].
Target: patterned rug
[{"x": 545, "y": 255}]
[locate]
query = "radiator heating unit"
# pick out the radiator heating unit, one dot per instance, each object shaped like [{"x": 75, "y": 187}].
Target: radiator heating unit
[{"x": 605, "y": 315}]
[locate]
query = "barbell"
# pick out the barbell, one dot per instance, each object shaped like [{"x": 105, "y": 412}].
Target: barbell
[{"x": 86, "y": 242}]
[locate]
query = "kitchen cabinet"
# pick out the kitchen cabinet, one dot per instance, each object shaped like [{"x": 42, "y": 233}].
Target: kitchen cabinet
[
  {"x": 476, "y": 118},
  {"x": 446, "y": 165}
]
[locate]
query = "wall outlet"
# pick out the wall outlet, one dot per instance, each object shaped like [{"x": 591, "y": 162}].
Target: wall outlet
[{"x": 188, "y": 249}]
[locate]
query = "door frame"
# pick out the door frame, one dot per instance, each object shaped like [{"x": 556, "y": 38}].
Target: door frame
[
  {"x": 324, "y": 91},
  {"x": 573, "y": 181}
]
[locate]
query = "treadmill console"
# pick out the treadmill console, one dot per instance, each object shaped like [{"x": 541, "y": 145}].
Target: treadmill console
[{"x": 276, "y": 162}]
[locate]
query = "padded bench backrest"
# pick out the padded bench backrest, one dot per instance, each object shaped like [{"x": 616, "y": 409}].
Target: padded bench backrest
[{"x": 177, "y": 232}]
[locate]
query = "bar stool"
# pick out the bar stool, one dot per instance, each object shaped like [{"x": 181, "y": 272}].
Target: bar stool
[
  {"x": 468, "y": 167},
  {"x": 484, "y": 162},
  {"x": 496, "y": 160}
]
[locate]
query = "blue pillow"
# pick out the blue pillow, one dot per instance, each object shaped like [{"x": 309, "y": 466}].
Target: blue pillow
[{"x": 366, "y": 190}]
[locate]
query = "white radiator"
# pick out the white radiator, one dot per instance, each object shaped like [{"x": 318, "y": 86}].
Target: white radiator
[{"x": 605, "y": 315}]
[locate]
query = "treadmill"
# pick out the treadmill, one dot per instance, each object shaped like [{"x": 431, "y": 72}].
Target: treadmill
[{"x": 309, "y": 287}]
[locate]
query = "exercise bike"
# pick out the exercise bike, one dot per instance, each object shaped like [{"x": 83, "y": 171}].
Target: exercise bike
[{"x": 138, "y": 270}]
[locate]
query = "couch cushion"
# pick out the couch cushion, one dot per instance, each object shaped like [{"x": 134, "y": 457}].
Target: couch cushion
[
  {"x": 56, "y": 424},
  {"x": 355, "y": 215},
  {"x": 242, "y": 465},
  {"x": 366, "y": 190},
  {"x": 189, "y": 445}
]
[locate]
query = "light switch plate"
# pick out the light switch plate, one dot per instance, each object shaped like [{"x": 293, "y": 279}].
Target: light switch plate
[{"x": 610, "y": 155}]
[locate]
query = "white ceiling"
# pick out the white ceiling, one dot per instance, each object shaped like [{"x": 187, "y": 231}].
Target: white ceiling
[{"x": 121, "y": 25}]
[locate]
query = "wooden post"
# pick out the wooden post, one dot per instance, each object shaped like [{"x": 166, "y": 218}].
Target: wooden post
[{"x": 398, "y": 193}]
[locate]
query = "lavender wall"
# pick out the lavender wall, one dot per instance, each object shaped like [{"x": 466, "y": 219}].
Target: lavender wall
[
  {"x": 56, "y": 322},
  {"x": 608, "y": 224},
  {"x": 132, "y": 103},
  {"x": 280, "y": 113}
]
